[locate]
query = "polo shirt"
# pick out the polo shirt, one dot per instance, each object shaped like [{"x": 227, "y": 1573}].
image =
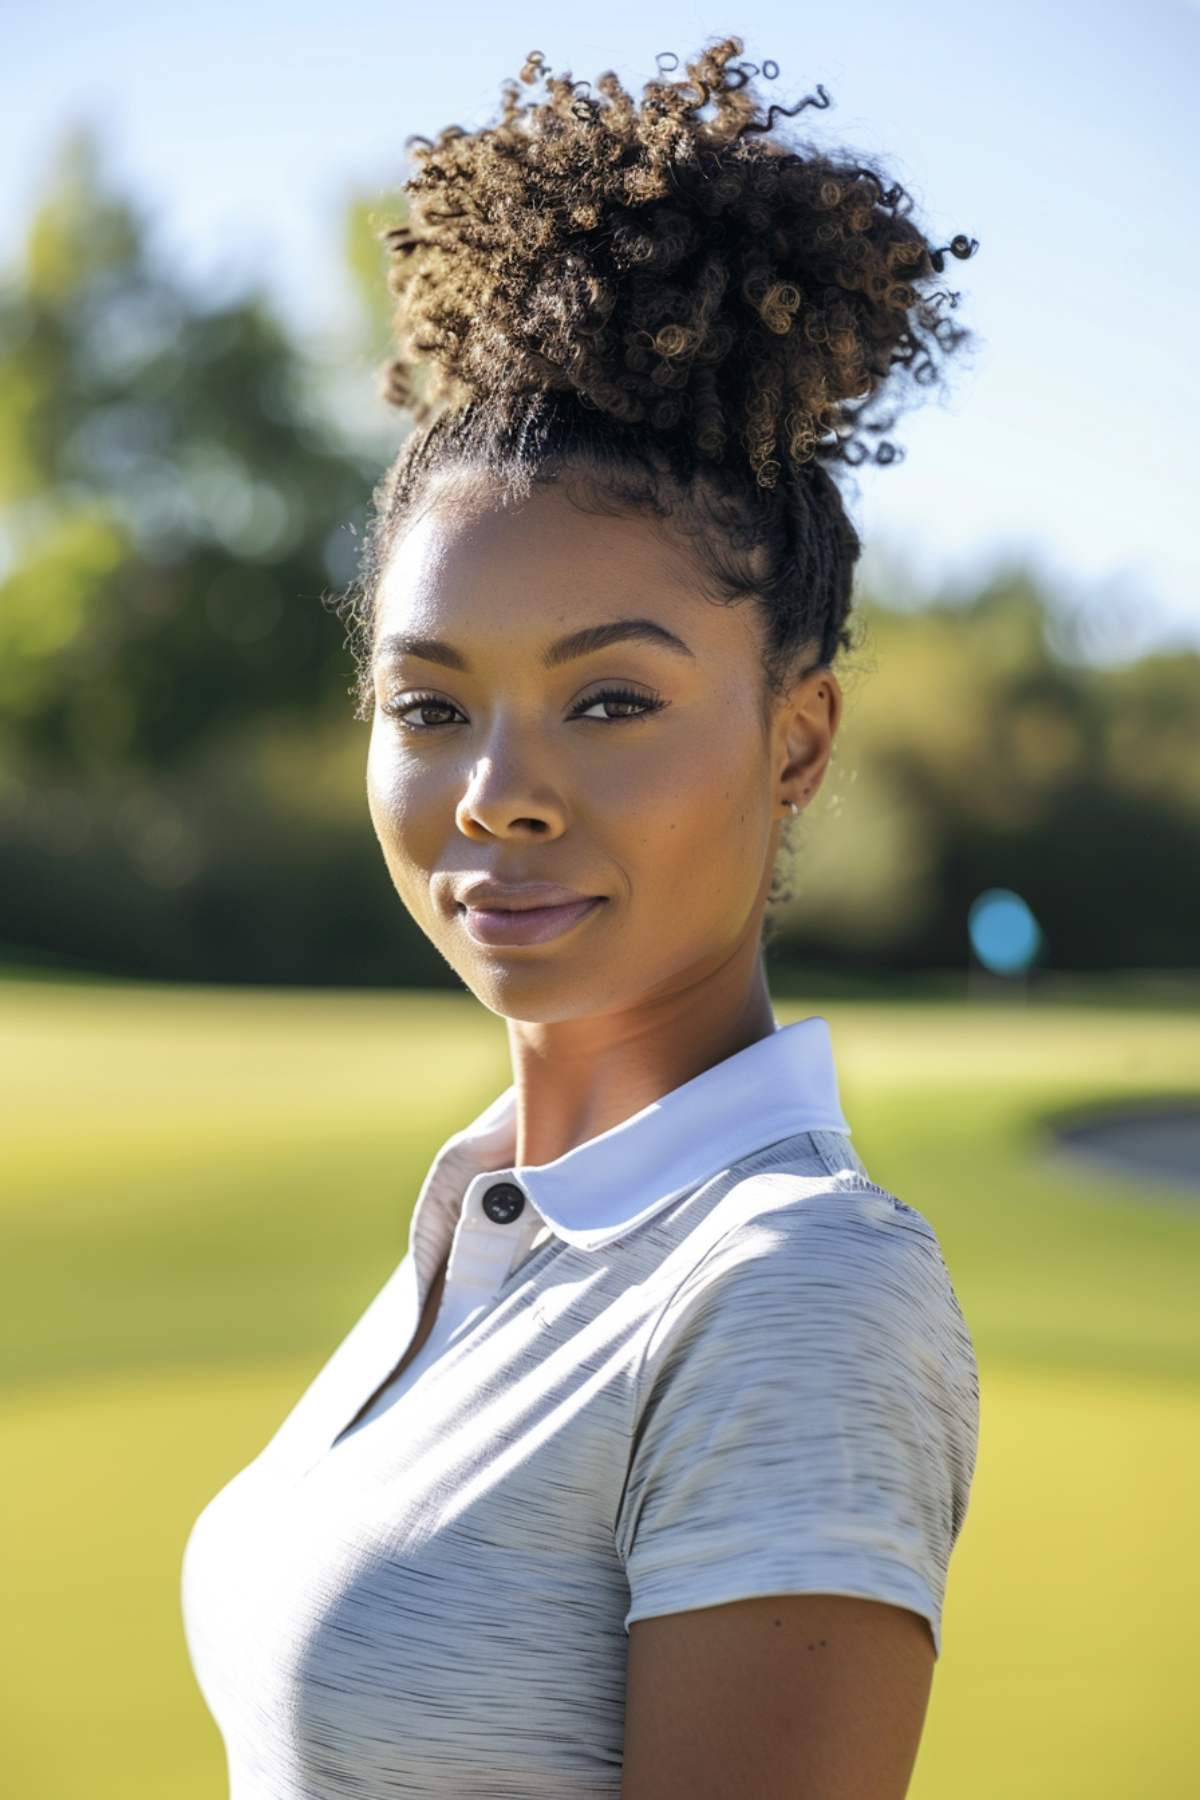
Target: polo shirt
[{"x": 699, "y": 1357}]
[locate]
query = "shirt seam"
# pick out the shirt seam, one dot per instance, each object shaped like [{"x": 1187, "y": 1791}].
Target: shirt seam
[{"x": 856, "y": 1184}]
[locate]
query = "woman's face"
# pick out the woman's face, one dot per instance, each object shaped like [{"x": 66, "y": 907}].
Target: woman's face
[{"x": 500, "y": 758}]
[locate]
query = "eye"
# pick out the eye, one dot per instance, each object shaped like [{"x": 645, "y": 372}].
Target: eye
[
  {"x": 612, "y": 696},
  {"x": 404, "y": 703},
  {"x": 618, "y": 696}
]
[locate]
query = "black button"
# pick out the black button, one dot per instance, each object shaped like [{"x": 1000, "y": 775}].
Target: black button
[{"x": 503, "y": 1202}]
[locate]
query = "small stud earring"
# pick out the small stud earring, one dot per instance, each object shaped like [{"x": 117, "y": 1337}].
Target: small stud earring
[{"x": 794, "y": 807}]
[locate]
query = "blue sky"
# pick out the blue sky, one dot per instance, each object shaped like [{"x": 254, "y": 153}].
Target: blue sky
[{"x": 1063, "y": 136}]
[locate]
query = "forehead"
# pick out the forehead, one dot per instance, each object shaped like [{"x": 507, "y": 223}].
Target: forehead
[{"x": 524, "y": 569}]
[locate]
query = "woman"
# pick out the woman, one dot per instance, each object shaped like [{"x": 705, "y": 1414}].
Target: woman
[{"x": 642, "y": 1472}]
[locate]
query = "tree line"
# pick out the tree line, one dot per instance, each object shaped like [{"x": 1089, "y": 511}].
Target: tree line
[{"x": 181, "y": 779}]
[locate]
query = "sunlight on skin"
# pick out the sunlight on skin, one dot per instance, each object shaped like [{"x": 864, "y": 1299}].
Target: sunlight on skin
[{"x": 514, "y": 771}]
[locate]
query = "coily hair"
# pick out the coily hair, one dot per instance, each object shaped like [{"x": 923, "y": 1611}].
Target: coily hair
[{"x": 689, "y": 318}]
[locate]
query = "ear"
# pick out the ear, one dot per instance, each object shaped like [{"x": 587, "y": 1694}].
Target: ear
[{"x": 806, "y": 724}]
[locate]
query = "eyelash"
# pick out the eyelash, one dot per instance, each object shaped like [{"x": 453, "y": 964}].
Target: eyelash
[{"x": 407, "y": 702}]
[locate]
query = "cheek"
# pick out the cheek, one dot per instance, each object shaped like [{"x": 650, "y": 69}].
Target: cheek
[
  {"x": 383, "y": 788},
  {"x": 402, "y": 805},
  {"x": 699, "y": 808}
]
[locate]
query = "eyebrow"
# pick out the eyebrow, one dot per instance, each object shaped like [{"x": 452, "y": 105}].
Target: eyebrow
[{"x": 563, "y": 649}]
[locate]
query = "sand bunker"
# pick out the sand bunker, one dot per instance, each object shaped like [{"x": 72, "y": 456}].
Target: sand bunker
[{"x": 1160, "y": 1144}]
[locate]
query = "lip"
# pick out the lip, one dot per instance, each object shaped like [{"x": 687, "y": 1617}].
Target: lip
[
  {"x": 530, "y": 925},
  {"x": 518, "y": 896}
]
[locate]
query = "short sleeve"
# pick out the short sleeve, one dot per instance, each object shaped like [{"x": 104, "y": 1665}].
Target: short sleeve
[{"x": 807, "y": 1416}]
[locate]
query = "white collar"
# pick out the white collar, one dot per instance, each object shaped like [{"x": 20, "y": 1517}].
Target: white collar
[{"x": 777, "y": 1087}]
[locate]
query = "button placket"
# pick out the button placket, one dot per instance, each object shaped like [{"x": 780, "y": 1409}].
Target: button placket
[{"x": 491, "y": 1230}]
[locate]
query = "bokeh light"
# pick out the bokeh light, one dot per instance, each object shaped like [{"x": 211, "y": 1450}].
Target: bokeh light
[{"x": 1003, "y": 932}]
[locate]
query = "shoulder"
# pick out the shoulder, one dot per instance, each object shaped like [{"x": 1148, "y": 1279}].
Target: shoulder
[
  {"x": 792, "y": 1242},
  {"x": 831, "y": 1300},
  {"x": 806, "y": 1417}
]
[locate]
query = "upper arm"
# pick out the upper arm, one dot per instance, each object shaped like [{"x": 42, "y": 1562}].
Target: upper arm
[
  {"x": 800, "y": 1461},
  {"x": 781, "y": 1697}
]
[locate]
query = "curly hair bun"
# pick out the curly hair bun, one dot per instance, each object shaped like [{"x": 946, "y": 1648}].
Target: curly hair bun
[{"x": 689, "y": 274}]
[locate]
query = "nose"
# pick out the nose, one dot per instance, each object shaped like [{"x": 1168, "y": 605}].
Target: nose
[{"x": 500, "y": 802}]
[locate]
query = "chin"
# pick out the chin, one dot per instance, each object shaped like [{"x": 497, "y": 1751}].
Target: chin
[{"x": 540, "y": 995}]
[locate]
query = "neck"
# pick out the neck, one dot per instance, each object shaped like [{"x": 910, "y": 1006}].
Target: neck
[{"x": 576, "y": 1078}]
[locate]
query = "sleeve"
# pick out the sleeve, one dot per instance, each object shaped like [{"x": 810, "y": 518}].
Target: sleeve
[{"x": 806, "y": 1417}]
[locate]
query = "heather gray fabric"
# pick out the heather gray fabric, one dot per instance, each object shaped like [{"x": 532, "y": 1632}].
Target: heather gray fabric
[{"x": 734, "y": 1366}]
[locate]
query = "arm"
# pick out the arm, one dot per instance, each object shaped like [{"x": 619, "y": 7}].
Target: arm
[
  {"x": 783, "y": 1697},
  {"x": 801, "y": 1455}
]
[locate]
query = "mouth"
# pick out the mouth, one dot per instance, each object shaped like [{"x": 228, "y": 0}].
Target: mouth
[{"x": 535, "y": 925}]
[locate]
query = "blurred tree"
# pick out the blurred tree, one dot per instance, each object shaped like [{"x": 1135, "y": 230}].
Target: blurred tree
[
  {"x": 181, "y": 780},
  {"x": 367, "y": 265},
  {"x": 170, "y": 509},
  {"x": 976, "y": 753}
]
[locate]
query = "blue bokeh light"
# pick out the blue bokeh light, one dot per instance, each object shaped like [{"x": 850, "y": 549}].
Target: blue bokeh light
[{"x": 1004, "y": 934}]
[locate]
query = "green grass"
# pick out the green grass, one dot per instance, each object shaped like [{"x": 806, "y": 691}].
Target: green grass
[{"x": 204, "y": 1187}]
